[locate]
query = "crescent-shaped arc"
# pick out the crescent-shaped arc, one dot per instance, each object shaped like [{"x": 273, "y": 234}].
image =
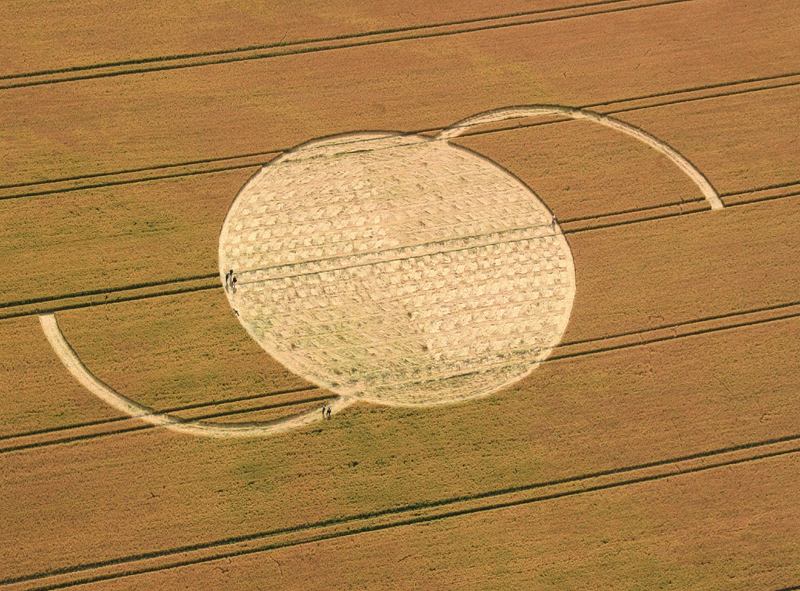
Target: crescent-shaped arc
[
  {"x": 504, "y": 114},
  {"x": 87, "y": 379}
]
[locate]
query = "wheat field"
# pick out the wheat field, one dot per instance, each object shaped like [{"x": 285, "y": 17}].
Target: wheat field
[{"x": 652, "y": 442}]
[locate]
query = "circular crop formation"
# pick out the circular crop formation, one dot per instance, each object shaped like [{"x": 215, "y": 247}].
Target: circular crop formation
[{"x": 397, "y": 269}]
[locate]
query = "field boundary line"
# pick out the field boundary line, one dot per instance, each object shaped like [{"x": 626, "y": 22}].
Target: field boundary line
[
  {"x": 204, "y": 166},
  {"x": 562, "y": 352},
  {"x": 144, "y": 66},
  {"x": 408, "y": 515},
  {"x": 208, "y": 281}
]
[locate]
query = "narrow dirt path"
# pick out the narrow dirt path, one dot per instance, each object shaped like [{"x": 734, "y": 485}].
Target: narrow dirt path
[{"x": 87, "y": 379}]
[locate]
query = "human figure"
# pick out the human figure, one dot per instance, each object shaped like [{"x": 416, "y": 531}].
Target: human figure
[
  {"x": 233, "y": 283},
  {"x": 555, "y": 221},
  {"x": 329, "y": 413},
  {"x": 228, "y": 277},
  {"x": 323, "y": 412}
]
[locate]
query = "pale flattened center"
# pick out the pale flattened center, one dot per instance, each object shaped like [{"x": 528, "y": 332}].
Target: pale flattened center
[{"x": 397, "y": 269}]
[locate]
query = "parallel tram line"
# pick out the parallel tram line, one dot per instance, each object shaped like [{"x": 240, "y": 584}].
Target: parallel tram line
[
  {"x": 411, "y": 33},
  {"x": 177, "y": 56},
  {"x": 407, "y": 515},
  {"x": 563, "y": 352},
  {"x": 255, "y": 160},
  {"x": 121, "y": 425},
  {"x": 424, "y": 512},
  {"x": 169, "y": 410},
  {"x": 94, "y": 292},
  {"x": 211, "y": 281}
]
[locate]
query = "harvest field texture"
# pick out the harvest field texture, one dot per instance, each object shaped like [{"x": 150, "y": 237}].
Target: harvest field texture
[{"x": 538, "y": 261}]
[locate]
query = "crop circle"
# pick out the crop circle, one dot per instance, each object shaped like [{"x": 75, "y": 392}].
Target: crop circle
[{"x": 397, "y": 269}]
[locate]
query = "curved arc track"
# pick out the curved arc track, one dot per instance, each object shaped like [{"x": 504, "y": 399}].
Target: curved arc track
[
  {"x": 709, "y": 192},
  {"x": 87, "y": 379}
]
